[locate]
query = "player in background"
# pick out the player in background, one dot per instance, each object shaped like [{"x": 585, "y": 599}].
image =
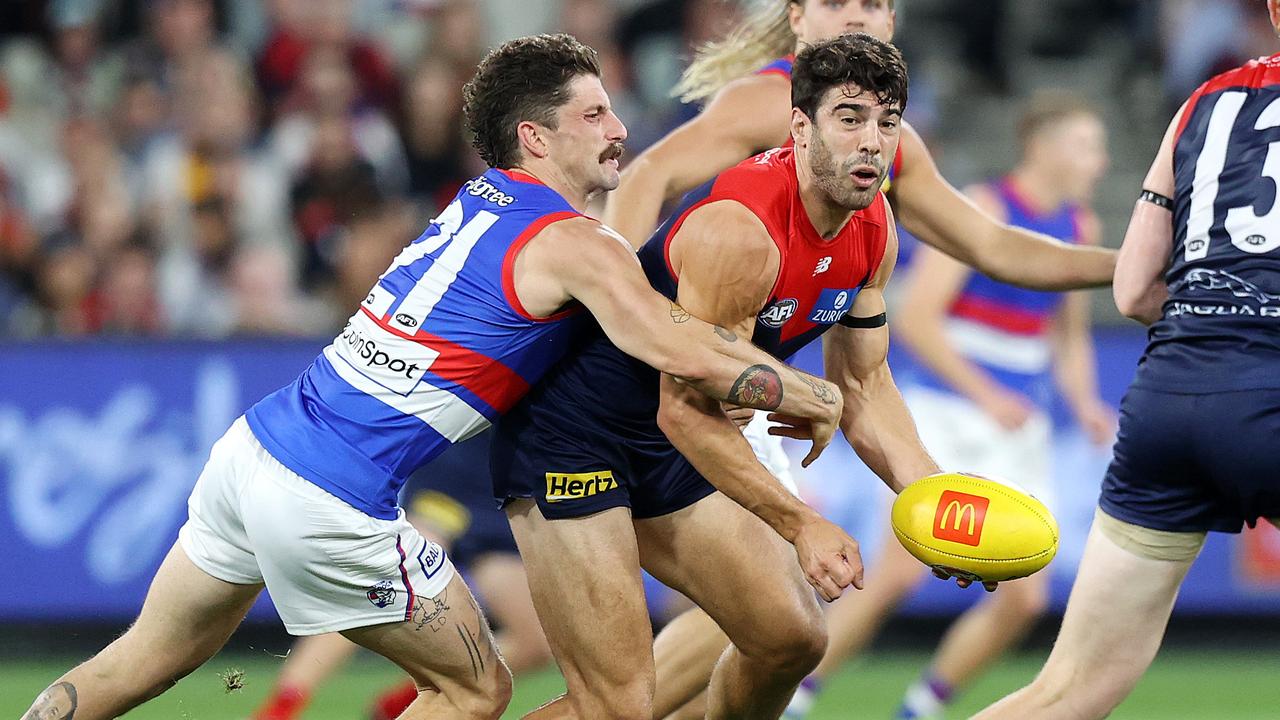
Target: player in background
[
  {"x": 989, "y": 354},
  {"x": 450, "y": 502},
  {"x": 794, "y": 244},
  {"x": 300, "y": 494},
  {"x": 1196, "y": 450}
]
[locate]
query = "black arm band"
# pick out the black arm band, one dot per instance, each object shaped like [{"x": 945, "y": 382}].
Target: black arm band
[
  {"x": 864, "y": 323},
  {"x": 1156, "y": 199}
]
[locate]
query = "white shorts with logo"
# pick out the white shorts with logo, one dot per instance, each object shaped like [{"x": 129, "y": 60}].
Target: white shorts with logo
[
  {"x": 327, "y": 566},
  {"x": 963, "y": 438},
  {"x": 768, "y": 450}
]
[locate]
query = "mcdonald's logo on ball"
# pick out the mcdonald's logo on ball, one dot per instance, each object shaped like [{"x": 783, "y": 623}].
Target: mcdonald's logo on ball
[{"x": 987, "y": 529}]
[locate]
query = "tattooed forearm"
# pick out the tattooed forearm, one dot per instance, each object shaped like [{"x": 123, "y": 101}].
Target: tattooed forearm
[
  {"x": 821, "y": 391},
  {"x": 679, "y": 315},
  {"x": 759, "y": 386},
  {"x": 726, "y": 334},
  {"x": 56, "y": 703}
]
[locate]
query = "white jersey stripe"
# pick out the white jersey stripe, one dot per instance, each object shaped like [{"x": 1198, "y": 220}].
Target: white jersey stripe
[
  {"x": 987, "y": 345},
  {"x": 445, "y": 412}
]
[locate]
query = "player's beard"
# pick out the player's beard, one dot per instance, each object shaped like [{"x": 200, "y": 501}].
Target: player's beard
[{"x": 835, "y": 181}]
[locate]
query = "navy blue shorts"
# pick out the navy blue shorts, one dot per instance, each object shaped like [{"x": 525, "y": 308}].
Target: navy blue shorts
[
  {"x": 572, "y": 466},
  {"x": 1195, "y": 463},
  {"x": 452, "y": 493}
]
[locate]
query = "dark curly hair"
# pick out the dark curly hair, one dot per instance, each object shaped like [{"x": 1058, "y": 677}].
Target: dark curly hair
[
  {"x": 858, "y": 59},
  {"x": 523, "y": 79}
]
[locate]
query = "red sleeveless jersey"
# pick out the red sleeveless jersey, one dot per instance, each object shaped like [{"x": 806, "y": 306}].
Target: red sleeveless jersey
[{"x": 817, "y": 279}]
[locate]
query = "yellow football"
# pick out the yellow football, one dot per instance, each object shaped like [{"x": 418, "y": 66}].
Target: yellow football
[{"x": 976, "y": 527}]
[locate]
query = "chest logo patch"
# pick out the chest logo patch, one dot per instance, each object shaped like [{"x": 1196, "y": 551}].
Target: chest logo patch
[
  {"x": 832, "y": 303},
  {"x": 823, "y": 265},
  {"x": 777, "y": 314}
]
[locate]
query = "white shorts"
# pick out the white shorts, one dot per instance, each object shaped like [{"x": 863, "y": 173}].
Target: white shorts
[
  {"x": 963, "y": 438},
  {"x": 327, "y": 566},
  {"x": 768, "y": 450}
]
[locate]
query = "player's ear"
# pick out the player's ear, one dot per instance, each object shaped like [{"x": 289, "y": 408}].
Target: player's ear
[
  {"x": 533, "y": 140},
  {"x": 795, "y": 17},
  {"x": 801, "y": 126},
  {"x": 1273, "y": 7}
]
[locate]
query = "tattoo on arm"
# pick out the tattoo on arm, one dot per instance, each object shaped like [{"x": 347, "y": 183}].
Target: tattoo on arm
[
  {"x": 758, "y": 386},
  {"x": 58, "y": 702},
  {"x": 726, "y": 334},
  {"x": 679, "y": 315},
  {"x": 822, "y": 392}
]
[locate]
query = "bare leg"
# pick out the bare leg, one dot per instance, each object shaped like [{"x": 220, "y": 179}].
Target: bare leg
[
  {"x": 854, "y": 620},
  {"x": 685, "y": 653},
  {"x": 500, "y": 578},
  {"x": 984, "y": 632},
  {"x": 187, "y": 617},
  {"x": 584, "y": 576},
  {"x": 746, "y": 578},
  {"x": 1114, "y": 624},
  {"x": 448, "y": 649}
]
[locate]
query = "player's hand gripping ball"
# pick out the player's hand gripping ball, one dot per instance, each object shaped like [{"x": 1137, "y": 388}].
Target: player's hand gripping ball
[{"x": 974, "y": 527}]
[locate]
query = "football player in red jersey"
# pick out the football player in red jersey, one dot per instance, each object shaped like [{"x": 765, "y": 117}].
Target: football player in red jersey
[
  {"x": 1196, "y": 450},
  {"x": 793, "y": 244}
]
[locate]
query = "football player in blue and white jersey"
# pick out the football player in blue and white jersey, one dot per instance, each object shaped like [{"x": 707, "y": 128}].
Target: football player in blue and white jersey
[{"x": 300, "y": 494}]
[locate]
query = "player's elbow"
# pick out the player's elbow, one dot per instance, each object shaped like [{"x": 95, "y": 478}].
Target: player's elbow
[
  {"x": 1136, "y": 303},
  {"x": 674, "y": 416}
]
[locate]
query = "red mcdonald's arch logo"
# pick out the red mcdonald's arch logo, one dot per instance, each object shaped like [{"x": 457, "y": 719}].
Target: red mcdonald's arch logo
[{"x": 959, "y": 517}]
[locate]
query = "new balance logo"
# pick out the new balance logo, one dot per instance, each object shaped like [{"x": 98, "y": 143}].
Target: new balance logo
[
  {"x": 823, "y": 265},
  {"x": 576, "y": 486}
]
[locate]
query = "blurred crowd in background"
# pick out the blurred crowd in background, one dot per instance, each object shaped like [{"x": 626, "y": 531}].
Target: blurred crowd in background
[{"x": 207, "y": 168}]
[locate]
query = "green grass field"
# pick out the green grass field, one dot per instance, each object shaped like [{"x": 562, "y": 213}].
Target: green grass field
[{"x": 1181, "y": 686}]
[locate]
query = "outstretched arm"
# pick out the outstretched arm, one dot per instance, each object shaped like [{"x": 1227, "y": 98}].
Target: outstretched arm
[
  {"x": 1139, "y": 288},
  {"x": 582, "y": 260},
  {"x": 876, "y": 421},
  {"x": 938, "y": 214},
  {"x": 747, "y": 116}
]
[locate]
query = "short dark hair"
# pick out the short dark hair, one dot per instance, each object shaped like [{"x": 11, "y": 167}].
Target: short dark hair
[
  {"x": 522, "y": 79},
  {"x": 858, "y": 59}
]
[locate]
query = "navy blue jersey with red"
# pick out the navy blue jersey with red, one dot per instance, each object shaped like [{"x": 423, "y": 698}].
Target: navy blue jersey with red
[
  {"x": 1223, "y": 310},
  {"x": 586, "y": 438},
  {"x": 1196, "y": 449}
]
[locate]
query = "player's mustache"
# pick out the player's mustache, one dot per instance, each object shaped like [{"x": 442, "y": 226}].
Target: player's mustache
[
  {"x": 613, "y": 152},
  {"x": 874, "y": 161}
]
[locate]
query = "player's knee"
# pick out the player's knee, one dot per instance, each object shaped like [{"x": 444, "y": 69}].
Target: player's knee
[
  {"x": 795, "y": 638},
  {"x": 490, "y": 696}
]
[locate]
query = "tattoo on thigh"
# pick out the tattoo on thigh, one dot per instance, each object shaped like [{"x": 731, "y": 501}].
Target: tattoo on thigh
[
  {"x": 58, "y": 702},
  {"x": 473, "y": 650},
  {"x": 759, "y": 387},
  {"x": 430, "y": 612}
]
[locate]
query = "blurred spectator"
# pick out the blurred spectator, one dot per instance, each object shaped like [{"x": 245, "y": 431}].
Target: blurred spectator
[
  {"x": 128, "y": 298},
  {"x": 304, "y": 26},
  {"x": 328, "y": 92},
  {"x": 207, "y": 181},
  {"x": 435, "y": 146},
  {"x": 338, "y": 187},
  {"x": 180, "y": 33}
]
